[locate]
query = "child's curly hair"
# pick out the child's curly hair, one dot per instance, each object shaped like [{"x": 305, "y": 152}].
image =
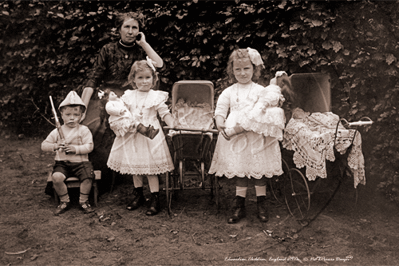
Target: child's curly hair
[
  {"x": 240, "y": 54},
  {"x": 141, "y": 66}
]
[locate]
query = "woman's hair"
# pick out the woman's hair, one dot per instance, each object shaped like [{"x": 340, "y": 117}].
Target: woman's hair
[
  {"x": 138, "y": 66},
  {"x": 240, "y": 54},
  {"x": 122, "y": 17}
]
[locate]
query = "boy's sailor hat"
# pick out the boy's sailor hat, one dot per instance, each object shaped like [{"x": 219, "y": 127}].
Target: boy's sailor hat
[{"x": 73, "y": 99}]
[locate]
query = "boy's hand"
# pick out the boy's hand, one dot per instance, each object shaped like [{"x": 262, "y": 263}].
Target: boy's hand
[
  {"x": 69, "y": 149},
  {"x": 59, "y": 146}
]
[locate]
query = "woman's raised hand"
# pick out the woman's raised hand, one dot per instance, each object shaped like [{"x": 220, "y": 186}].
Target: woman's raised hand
[{"x": 140, "y": 38}]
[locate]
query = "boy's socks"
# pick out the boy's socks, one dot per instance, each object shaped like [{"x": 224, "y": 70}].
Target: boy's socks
[
  {"x": 64, "y": 198},
  {"x": 85, "y": 188}
]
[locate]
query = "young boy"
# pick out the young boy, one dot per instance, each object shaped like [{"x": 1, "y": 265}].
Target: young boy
[{"x": 71, "y": 158}]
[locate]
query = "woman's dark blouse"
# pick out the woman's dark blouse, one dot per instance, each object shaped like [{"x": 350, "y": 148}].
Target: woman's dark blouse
[{"x": 113, "y": 65}]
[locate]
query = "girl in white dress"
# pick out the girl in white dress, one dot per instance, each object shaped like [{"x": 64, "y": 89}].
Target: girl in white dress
[
  {"x": 136, "y": 154},
  {"x": 247, "y": 155}
]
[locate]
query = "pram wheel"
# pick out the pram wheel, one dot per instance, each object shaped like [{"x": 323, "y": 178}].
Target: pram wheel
[{"x": 297, "y": 195}]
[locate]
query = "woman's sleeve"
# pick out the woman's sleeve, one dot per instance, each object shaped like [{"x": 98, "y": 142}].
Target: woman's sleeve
[
  {"x": 97, "y": 72},
  {"x": 223, "y": 104}
]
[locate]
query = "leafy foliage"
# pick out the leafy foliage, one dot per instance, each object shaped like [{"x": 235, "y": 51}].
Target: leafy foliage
[{"x": 48, "y": 47}]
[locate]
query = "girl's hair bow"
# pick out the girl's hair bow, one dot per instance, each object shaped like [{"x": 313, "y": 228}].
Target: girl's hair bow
[
  {"x": 255, "y": 57},
  {"x": 101, "y": 94},
  {"x": 150, "y": 63}
]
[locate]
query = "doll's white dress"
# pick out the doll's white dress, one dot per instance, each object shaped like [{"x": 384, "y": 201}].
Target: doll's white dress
[
  {"x": 134, "y": 153},
  {"x": 120, "y": 122},
  {"x": 264, "y": 116},
  {"x": 248, "y": 154}
]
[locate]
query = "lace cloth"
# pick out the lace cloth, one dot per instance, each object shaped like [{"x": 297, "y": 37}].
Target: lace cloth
[{"x": 311, "y": 137}]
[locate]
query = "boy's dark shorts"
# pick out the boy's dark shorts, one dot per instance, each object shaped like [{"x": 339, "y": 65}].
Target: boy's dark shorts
[{"x": 81, "y": 170}]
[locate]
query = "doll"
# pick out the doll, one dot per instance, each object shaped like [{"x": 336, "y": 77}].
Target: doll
[{"x": 121, "y": 120}]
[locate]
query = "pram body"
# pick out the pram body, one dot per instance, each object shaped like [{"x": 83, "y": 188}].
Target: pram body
[
  {"x": 317, "y": 150},
  {"x": 191, "y": 137}
]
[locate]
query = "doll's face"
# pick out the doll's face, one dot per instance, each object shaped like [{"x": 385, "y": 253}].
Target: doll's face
[
  {"x": 112, "y": 96},
  {"x": 243, "y": 70}
]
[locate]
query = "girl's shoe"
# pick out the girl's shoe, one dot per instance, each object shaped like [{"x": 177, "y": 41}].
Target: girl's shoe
[
  {"x": 263, "y": 213},
  {"x": 138, "y": 199},
  {"x": 152, "y": 132},
  {"x": 149, "y": 132},
  {"x": 238, "y": 210},
  {"x": 154, "y": 207}
]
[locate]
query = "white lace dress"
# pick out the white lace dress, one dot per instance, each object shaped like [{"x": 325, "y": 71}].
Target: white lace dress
[
  {"x": 264, "y": 116},
  {"x": 248, "y": 154},
  {"x": 134, "y": 153}
]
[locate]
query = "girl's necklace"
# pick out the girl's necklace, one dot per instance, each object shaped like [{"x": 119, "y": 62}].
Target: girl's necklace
[
  {"x": 137, "y": 103},
  {"x": 249, "y": 91}
]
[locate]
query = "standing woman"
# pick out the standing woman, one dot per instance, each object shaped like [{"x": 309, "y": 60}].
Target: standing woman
[{"x": 110, "y": 71}]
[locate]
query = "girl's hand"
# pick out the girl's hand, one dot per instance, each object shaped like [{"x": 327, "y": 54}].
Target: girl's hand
[
  {"x": 169, "y": 120},
  {"x": 219, "y": 121}
]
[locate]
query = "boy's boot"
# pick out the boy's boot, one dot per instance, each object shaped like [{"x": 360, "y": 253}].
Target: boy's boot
[
  {"x": 154, "y": 204},
  {"x": 138, "y": 199},
  {"x": 263, "y": 213},
  {"x": 63, "y": 207},
  {"x": 232, "y": 131},
  {"x": 149, "y": 132},
  {"x": 238, "y": 210}
]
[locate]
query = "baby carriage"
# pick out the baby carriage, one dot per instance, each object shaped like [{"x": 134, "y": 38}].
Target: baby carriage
[
  {"x": 191, "y": 138},
  {"x": 319, "y": 150}
]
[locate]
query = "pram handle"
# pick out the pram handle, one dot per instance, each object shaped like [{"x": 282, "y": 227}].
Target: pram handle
[
  {"x": 214, "y": 131},
  {"x": 364, "y": 121}
]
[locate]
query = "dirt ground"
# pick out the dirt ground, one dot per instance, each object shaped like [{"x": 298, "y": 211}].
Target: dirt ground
[{"x": 347, "y": 232}]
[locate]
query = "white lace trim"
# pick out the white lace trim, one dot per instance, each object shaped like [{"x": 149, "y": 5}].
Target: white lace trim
[
  {"x": 154, "y": 98},
  {"x": 140, "y": 169},
  {"x": 312, "y": 139}
]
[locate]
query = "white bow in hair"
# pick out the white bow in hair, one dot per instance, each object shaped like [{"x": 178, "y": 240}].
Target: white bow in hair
[
  {"x": 100, "y": 94},
  {"x": 281, "y": 73},
  {"x": 255, "y": 57},
  {"x": 150, "y": 63}
]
